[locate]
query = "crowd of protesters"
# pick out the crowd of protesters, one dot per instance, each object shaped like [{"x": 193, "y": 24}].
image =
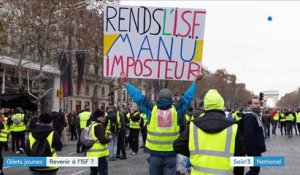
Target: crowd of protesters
[{"x": 166, "y": 128}]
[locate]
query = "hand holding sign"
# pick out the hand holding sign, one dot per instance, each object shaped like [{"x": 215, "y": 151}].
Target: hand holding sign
[
  {"x": 199, "y": 75},
  {"x": 124, "y": 78}
]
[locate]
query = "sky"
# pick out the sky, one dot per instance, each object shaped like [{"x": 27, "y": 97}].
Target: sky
[{"x": 241, "y": 37}]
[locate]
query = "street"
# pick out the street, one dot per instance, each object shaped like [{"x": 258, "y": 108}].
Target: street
[{"x": 137, "y": 165}]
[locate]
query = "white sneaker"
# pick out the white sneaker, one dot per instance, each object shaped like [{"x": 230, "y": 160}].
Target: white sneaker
[
  {"x": 133, "y": 153},
  {"x": 21, "y": 150},
  {"x": 18, "y": 152}
]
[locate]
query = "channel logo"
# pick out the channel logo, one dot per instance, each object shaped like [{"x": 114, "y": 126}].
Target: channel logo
[{"x": 268, "y": 161}]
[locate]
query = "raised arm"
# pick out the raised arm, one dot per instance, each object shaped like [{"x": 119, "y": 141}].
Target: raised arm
[
  {"x": 141, "y": 100},
  {"x": 184, "y": 102}
]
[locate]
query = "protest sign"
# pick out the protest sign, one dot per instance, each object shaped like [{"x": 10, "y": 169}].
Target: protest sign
[{"x": 153, "y": 42}]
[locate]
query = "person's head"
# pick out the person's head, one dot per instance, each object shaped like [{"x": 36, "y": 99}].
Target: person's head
[
  {"x": 254, "y": 102},
  {"x": 213, "y": 100},
  {"x": 191, "y": 109},
  {"x": 235, "y": 107},
  {"x": 45, "y": 118},
  {"x": 197, "y": 112},
  {"x": 112, "y": 108},
  {"x": 99, "y": 115},
  {"x": 165, "y": 94},
  {"x": 133, "y": 107},
  {"x": 61, "y": 111},
  {"x": 2, "y": 117},
  {"x": 124, "y": 110},
  {"x": 18, "y": 110},
  {"x": 228, "y": 110}
]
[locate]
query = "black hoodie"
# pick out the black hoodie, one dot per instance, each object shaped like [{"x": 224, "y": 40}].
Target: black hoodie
[
  {"x": 41, "y": 132},
  {"x": 213, "y": 121}
]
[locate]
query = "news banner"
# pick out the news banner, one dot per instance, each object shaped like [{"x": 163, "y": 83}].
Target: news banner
[{"x": 93, "y": 162}]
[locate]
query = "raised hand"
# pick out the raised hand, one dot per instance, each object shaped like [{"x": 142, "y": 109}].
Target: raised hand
[
  {"x": 199, "y": 75},
  {"x": 124, "y": 79}
]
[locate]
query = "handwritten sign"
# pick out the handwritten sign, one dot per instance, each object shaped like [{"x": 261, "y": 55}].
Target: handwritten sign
[{"x": 153, "y": 43}]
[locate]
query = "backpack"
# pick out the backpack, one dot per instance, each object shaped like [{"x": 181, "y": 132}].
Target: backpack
[
  {"x": 40, "y": 148},
  {"x": 113, "y": 124},
  {"x": 86, "y": 137},
  {"x": 17, "y": 119}
]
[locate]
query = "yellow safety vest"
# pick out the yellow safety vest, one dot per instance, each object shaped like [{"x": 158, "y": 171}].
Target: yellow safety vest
[
  {"x": 298, "y": 117},
  {"x": 235, "y": 116},
  {"x": 135, "y": 125},
  {"x": 144, "y": 116},
  {"x": 49, "y": 139},
  {"x": 210, "y": 153},
  {"x": 98, "y": 149},
  {"x": 4, "y": 132},
  {"x": 83, "y": 118},
  {"x": 161, "y": 138},
  {"x": 282, "y": 117},
  {"x": 290, "y": 118},
  {"x": 188, "y": 118},
  {"x": 128, "y": 119},
  {"x": 20, "y": 127},
  {"x": 107, "y": 129},
  {"x": 276, "y": 116}
]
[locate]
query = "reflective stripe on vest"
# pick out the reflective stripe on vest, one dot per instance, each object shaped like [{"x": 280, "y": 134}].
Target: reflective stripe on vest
[
  {"x": 159, "y": 138},
  {"x": 49, "y": 140},
  {"x": 83, "y": 118},
  {"x": 210, "y": 153},
  {"x": 135, "y": 125},
  {"x": 20, "y": 127},
  {"x": 4, "y": 132},
  {"x": 98, "y": 149}
]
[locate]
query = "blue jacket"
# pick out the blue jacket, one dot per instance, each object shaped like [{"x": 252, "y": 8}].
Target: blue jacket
[{"x": 146, "y": 106}]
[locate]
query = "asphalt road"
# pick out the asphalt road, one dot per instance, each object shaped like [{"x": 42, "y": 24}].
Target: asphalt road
[{"x": 137, "y": 165}]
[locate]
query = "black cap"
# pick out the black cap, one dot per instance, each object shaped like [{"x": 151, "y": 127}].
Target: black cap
[
  {"x": 98, "y": 113},
  {"x": 45, "y": 118}
]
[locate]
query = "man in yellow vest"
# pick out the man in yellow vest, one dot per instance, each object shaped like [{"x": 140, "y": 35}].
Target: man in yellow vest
[
  {"x": 144, "y": 128},
  {"x": 4, "y": 129},
  {"x": 82, "y": 121},
  {"x": 18, "y": 122},
  {"x": 289, "y": 118},
  {"x": 282, "y": 122},
  {"x": 164, "y": 120},
  {"x": 135, "y": 123},
  {"x": 39, "y": 134},
  {"x": 113, "y": 127},
  {"x": 100, "y": 147},
  {"x": 298, "y": 120},
  {"x": 209, "y": 141}
]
